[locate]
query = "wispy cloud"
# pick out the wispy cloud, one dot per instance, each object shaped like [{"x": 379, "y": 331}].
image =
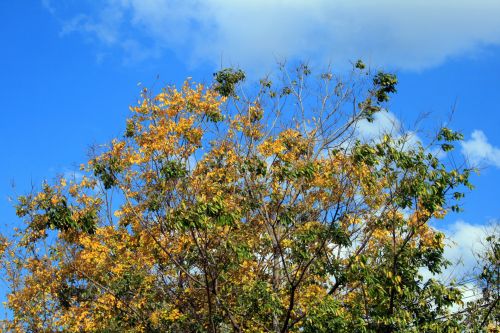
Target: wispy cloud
[
  {"x": 413, "y": 34},
  {"x": 47, "y": 4},
  {"x": 480, "y": 152},
  {"x": 104, "y": 31}
]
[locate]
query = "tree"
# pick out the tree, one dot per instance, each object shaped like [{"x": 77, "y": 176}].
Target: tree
[
  {"x": 221, "y": 212},
  {"x": 483, "y": 314}
]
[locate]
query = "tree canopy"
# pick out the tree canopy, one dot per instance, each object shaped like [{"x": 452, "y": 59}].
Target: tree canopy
[{"x": 229, "y": 210}]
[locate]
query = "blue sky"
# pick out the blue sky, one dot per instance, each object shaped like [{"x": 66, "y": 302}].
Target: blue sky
[{"x": 70, "y": 69}]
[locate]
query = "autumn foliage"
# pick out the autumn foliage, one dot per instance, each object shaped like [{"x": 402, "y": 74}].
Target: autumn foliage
[{"x": 218, "y": 212}]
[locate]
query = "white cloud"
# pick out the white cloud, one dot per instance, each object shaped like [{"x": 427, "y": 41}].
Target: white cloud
[
  {"x": 413, "y": 34},
  {"x": 479, "y": 151},
  {"x": 463, "y": 242},
  {"x": 384, "y": 122}
]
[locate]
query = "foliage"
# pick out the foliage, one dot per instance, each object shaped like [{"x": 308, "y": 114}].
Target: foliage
[
  {"x": 216, "y": 212},
  {"x": 483, "y": 314},
  {"x": 226, "y": 81}
]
